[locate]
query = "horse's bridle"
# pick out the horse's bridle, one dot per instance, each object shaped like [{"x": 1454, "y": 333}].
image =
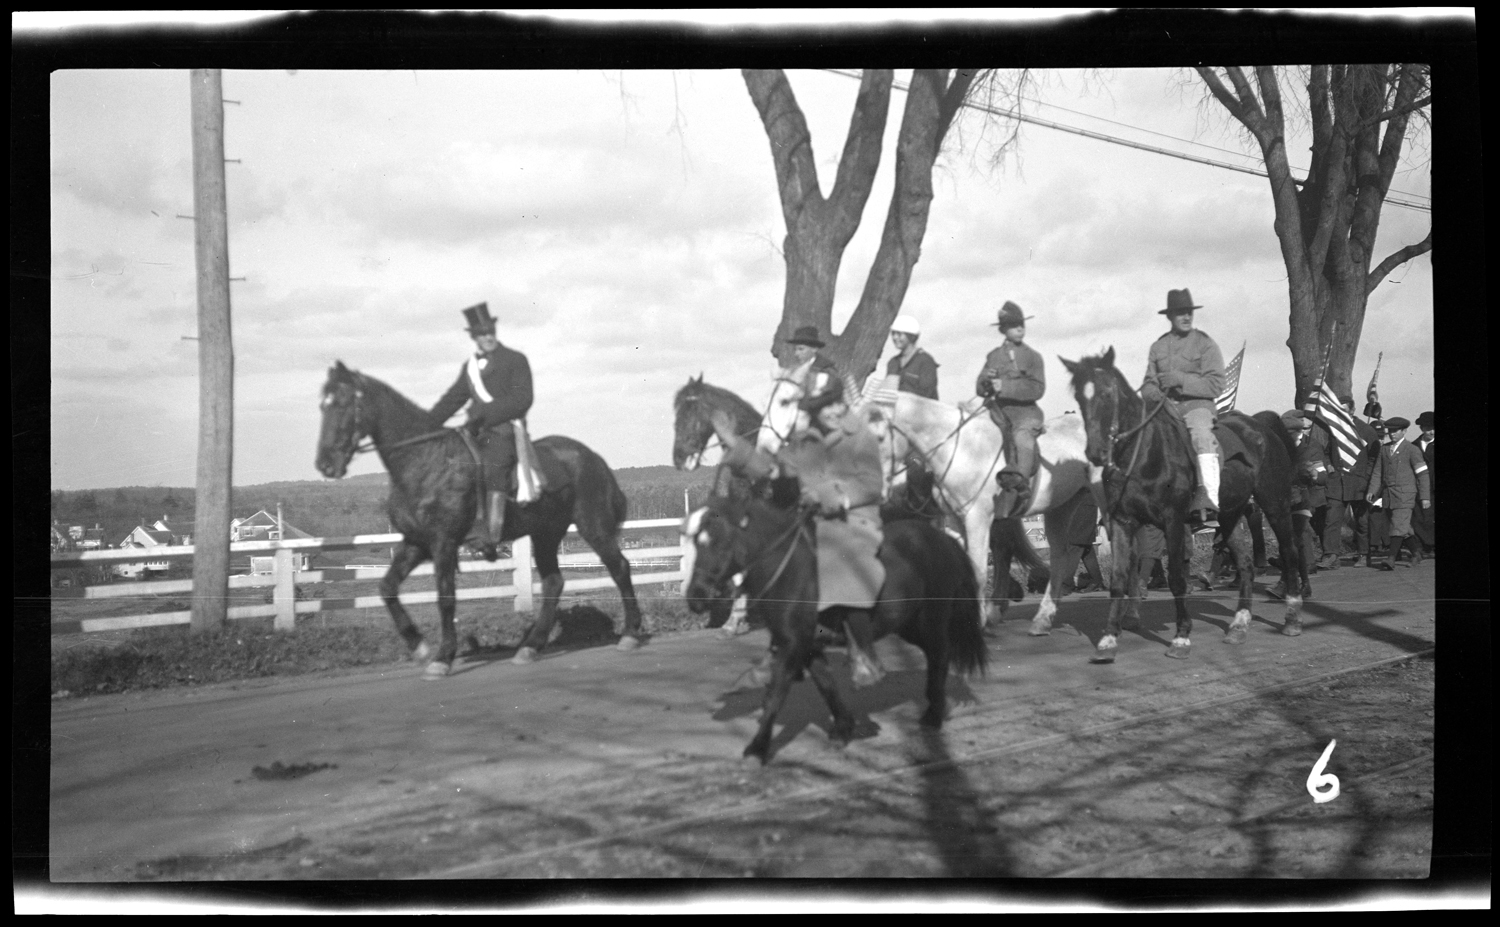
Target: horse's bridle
[
  {"x": 1116, "y": 437},
  {"x": 964, "y": 420},
  {"x": 798, "y": 527},
  {"x": 369, "y": 444}
]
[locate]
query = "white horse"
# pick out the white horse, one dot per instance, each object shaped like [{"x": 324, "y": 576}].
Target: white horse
[{"x": 965, "y": 452}]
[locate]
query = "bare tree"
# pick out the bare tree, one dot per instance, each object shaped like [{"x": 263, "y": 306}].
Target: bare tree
[
  {"x": 819, "y": 228},
  {"x": 1360, "y": 117}
]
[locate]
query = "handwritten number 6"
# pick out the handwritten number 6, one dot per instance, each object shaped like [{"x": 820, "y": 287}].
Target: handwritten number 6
[{"x": 1317, "y": 778}]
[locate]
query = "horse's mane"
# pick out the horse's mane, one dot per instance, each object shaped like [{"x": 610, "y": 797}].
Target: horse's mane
[
  {"x": 698, "y": 389},
  {"x": 379, "y": 391},
  {"x": 1087, "y": 367}
]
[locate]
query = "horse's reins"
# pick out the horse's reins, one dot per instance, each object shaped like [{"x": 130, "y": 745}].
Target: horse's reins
[
  {"x": 1116, "y": 438},
  {"x": 965, "y": 419},
  {"x": 369, "y": 443},
  {"x": 798, "y": 527}
]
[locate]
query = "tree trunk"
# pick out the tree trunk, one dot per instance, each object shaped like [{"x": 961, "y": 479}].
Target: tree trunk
[{"x": 819, "y": 229}]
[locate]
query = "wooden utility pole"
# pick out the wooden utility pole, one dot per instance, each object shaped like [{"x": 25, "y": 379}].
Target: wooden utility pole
[{"x": 215, "y": 357}]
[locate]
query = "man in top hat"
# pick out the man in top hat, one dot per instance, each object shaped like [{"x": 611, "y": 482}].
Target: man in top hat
[
  {"x": 1401, "y": 479},
  {"x": 1424, "y": 521},
  {"x": 495, "y": 382},
  {"x": 1186, "y": 368},
  {"x": 1012, "y": 381},
  {"x": 913, "y": 366},
  {"x": 1309, "y": 477}
]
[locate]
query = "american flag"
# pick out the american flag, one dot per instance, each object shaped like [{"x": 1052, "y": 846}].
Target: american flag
[
  {"x": 1225, "y": 402},
  {"x": 1325, "y": 406}
]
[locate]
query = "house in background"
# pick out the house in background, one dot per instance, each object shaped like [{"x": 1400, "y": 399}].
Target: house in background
[
  {"x": 86, "y": 538},
  {"x": 263, "y": 526}
]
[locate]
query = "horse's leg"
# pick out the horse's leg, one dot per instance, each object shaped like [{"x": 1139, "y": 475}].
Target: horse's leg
[
  {"x": 608, "y": 548},
  {"x": 1064, "y": 560},
  {"x": 544, "y": 551},
  {"x": 934, "y": 620},
  {"x": 1122, "y": 589},
  {"x": 1177, "y": 540},
  {"x": 977, "y": 524},
  {"x": 1241, "y": 546},
  {"x": 1280, "y": 518},
  {"x": 445, "y": 570},
  {"x": 790, "y": 657},
  {"x": 736, "y": 625},
  {"x": 408, "y": 556},
  {"x": 843, "y": 719}
]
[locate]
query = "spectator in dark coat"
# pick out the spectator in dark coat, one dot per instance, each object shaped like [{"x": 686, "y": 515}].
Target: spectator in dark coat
[
  {"x": 1347, "y": 482},
  {"x": 1308, "y": 480},
  {"x": 1423, "y": 521},
  {"x": 1401, "y": 481}
]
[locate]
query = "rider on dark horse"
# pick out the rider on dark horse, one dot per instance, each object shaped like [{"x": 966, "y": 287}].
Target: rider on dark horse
[
  {"x": 1012, "y": 381},
  {"x": 1186, "y": 368},
  {"x": 837, "y": 463},
  {"x": 496, "y": 383}
]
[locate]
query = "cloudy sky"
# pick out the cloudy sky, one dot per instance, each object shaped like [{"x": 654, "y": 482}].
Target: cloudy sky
[{"x": 624, "y": 227}]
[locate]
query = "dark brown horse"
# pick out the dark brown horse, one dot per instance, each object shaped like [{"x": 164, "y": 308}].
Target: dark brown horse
[
  {"x": 929, "y": 598},
  {"x": 695, "y": 406},
  {"x": 434, "y": 499},
  {"x": 1149, "y": 478}
]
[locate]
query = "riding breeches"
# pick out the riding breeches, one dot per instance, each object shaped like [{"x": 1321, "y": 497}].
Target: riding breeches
[
  {"x": 1021, "y": 425},
  {"x": 498, "y": 451},
  {"x": 1200, "y": 424}
]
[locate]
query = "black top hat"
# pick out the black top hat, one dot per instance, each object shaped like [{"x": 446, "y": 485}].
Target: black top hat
[
  {"x": 1179, "y": 301},
  {"x": 1425, "y": 420},
  {"x": 1011, "y": 316},
  {"x": 808, "y": 335},
  {"x": 1396, "y": 423},
  {"x": 479, "y": 319}
]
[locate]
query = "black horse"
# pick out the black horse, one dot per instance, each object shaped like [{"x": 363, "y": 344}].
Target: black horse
[
  {"x": 929, "y": 598},
  {"x": 695, "y": 406},
  {"x": 1149, "y": 478},
  {"x": 434, "y": 499}
]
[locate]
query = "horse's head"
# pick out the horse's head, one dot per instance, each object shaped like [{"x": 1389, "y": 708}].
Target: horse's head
[
  {"x": 716, "y": 551},
  {"x": 782, "y": 413},
  {"x": 694, "y": 427},
  {"x": 342, "y": 426},
  {"x": 1101, "y": 393}
]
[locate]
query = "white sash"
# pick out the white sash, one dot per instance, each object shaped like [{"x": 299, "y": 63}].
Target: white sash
[{"x": 474, "y": 366}]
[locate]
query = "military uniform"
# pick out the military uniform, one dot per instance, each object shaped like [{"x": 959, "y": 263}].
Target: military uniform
[
  {"x": 1013, "y": 403},
  {"x": 1188, "y": 371},
  {"x": 1401, "y": 480}
]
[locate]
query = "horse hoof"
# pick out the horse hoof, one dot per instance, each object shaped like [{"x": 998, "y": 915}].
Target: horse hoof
[
  {"x": 1104, "y": 655},
  {"x": 1179, "y": 652},
  {"x": 628, "y": 643},
  {"x": 422, "y": 652},
  {"x": 1292, "y": 629},
  {"x": 1235, "y": 636},
  {"x": 524, "y": 656},
  {"x": 436, "y": 670},
  {"x": 1040, "y": 628}
]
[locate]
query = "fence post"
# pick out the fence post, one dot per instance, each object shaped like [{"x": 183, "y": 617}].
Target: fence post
[
  {"x": 285, "y": 596},
  {"x": 685, "y": 544},
  {"x": 520, "y": 556}
]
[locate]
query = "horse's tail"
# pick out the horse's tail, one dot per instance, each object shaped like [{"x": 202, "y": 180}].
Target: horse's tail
[
  {"x": 967, "y": 652},
  {"x": 1012, "y": 535}
]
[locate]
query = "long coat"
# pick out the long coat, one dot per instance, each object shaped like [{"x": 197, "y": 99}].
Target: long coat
[
  {"x": 1310, "y": 475},
  {"x": 1401, "y": 477},
  {"x": 1196, "y": 359},
  {"x": 840, "y": 473}
]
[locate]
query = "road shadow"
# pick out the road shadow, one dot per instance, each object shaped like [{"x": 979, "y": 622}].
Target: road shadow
[{"x": 578, "y": 627}]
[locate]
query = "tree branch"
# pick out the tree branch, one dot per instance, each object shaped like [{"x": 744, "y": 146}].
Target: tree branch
[
  {"x": 1396, "y": 260},
  {"x": 791, "y": 142},
  {"x": 861, "y": 156}
]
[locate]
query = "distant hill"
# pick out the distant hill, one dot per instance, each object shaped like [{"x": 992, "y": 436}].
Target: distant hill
[{"x": 333, "y": 508}]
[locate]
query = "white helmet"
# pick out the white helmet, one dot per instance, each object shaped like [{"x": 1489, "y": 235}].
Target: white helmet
[{"x": 906, "y": 325}]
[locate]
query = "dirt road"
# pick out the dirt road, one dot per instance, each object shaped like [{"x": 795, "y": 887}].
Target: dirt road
[{"x": 595, "y": 763}]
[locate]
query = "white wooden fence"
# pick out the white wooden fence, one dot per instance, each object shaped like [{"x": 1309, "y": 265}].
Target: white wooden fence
[{"x": 283, "y": 580}]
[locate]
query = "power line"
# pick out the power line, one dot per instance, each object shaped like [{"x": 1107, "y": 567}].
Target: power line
[{"x": 1115, "y": 140}]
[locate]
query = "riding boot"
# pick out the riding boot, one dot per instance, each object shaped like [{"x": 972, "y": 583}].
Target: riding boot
[
  {"x": 1415, "y": 546},
  {"x": 494, "y": 525},
  {"x": 1205, "y": 512}
]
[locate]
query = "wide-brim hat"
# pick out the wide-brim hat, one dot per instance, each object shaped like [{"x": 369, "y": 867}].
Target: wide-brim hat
[
  {"x": 1295, "y": 419},
  {"x": 1179, "y": 301},
  {"x": 808, "y": 335},
  {"x": 1011, "y": 316},
  {"x": 1396, "y": 424},
  {"x": 1425, "y": 420},
  {"x": 479, "y": 319}
]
